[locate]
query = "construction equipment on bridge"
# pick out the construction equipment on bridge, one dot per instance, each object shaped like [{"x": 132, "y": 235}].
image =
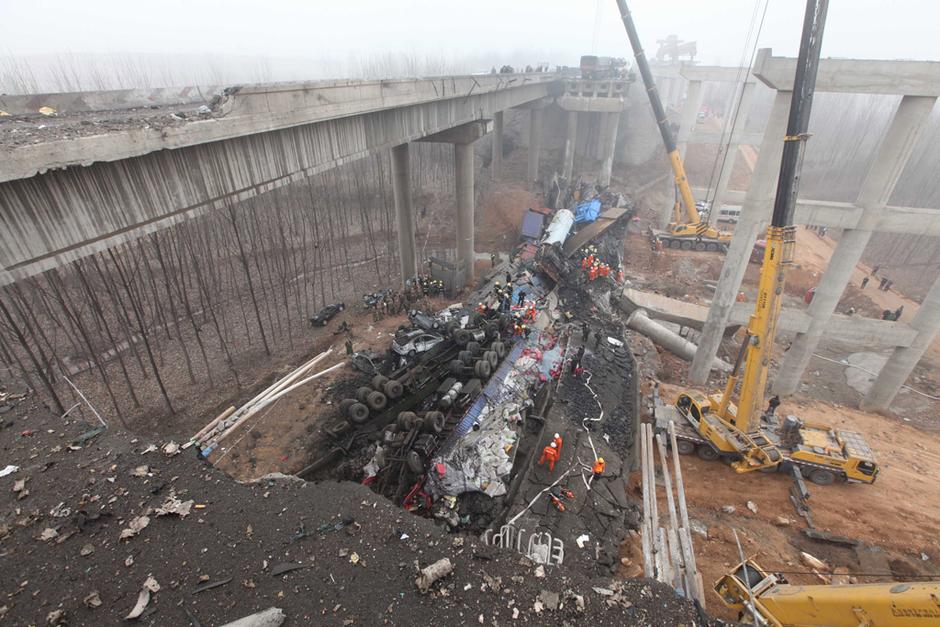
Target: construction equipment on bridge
[
  {"x": 769, "y": 600},
  {"x": 689, "y": 231},
  {"x": 712, "y": 425}
]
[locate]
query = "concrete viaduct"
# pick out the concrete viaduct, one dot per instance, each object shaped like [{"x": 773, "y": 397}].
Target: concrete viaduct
[{"x": 62, "y": 199}]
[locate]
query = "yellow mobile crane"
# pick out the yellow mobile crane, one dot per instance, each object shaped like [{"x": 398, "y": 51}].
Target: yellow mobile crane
[
  {"x": 768, "y": 599},
  {"x": 692, "y": 233},
  {"x": 713, "y": 425}
]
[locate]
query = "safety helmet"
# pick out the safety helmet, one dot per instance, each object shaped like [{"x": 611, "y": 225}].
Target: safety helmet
[
  {"x": 553, "y": 445},
  {"x": 600, "y": 459},
  {"x": 557, "y": 436}
]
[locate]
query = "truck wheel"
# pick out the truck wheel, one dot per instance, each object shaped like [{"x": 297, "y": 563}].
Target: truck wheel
[
  {"x": 393, "y": 389},
  {"x": 686, "y": 245},
  {"x": 491, "y": 357},
  {"x": 433, "y": 422},
  {"x": 474, "y": 347},
  {"x": 378, "y": 381},
  {"x": 711, "y": 247},
  {"x": 700, "y": 246},
  {"x": 407, "y": 420},
  {"x": 362, "y": 393},
  {"x": 462, "y": 336},
  {"x": 676, "y": 244},
  {"x": 414, "y": 461},
  {"x": 822, "y": 477},
  {"x": 376, "y": 401},
  {"x": 684, "y": 447},
  {"x": 456, "y": 366},
  {"x": 500, "y": 349},
  {"x": 358, "y": 413},
  {"x": 345, "y": 404},
  {"x": 482, "y": 369},
  {"x": 706, "y": 452},
  {"x": 465, "y": 357}
]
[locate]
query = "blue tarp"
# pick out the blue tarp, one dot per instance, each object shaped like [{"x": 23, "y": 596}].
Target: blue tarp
[
  {"x": 532, "y": 224},
  {"x": 587, "y": 211}
]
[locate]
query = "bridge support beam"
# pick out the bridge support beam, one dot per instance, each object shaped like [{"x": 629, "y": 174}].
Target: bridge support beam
[
  {"x": 571, "y": 140},
  {"x": 734, "y": 134},
  {"x": 904, "y": 358},
  {"x": 535, "y": 144},
  {"x": 609, "y": 142},
  {"x": 496, "y": 163},
  {"x": 756, "y": 211},
  {"x": 463, "y": 137},
  {"x": 879, "y": 184},
  {"x": 404, "y": 209}
]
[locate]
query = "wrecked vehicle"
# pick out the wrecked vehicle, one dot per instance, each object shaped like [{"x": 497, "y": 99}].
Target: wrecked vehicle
[
  {"x": 326, "y": 314},
  {"x": 410, "y": 343}
]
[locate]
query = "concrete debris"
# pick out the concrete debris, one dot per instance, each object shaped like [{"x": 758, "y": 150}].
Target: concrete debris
[
  {"x": 782, "y": 521},
  {"x": 698, "y": 527},
  {"x": 48, "y": 534},
  {"x": 540, "y": 571},
  {"x": 728, "y": 509},
  {"x": 56, "y": 617},
  {"x": 438, "y": 570},
  {"x": 9, "y": 470},
  {"x": 549, "y": 599},
  {"x": 93, "y": 600},
  {"x": 141, "y": 471},
  {"x": 751, "y": 505},
  {"x": 581, "y": 540},
  {"x": 171, "y": 448},
  {"x": 136, "y": 525},
  {"x": 87, "y": 550},
  {"x": 813, "y": 562},
  {"x": 174, "y": 506}
]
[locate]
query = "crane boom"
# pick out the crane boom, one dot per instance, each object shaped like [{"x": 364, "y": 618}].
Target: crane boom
[
  {"x": 678, "y": 169},
  {"x": 778, "y": 254}
]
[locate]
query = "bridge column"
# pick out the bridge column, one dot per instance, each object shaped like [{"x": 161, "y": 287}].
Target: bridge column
[
  {"x": 896, "y": 147},
  {"x": 404, "y": 209},
  {"x": 463, "y": 137},
  {"x": 535, "y": 144},
  {"x": 571, "y": 140},
  {"x": 693, "y": 102},
  {"x": 902, "y": 361},
  {"x": 496, "y": 163},
  {"x": 609, "y": 142},
  {"x": 727, "y": 165},
  {"x": 757, "y": 210},
  {"x": 463, "y": 173}
]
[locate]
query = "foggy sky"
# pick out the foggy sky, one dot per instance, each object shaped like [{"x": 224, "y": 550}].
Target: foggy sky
[{"x": 555, "y": 31}]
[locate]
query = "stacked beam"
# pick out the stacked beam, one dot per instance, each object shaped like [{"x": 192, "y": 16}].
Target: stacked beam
[{"x": 668, "y": 553}]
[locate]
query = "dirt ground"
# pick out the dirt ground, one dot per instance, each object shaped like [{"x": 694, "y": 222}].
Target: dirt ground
[{"x": 899, "y": 514}]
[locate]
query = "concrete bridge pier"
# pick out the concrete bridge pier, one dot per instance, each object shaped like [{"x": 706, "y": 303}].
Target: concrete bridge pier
[
  {"x": 463, "y": 137},
  {"x": 404, "y": 209},
  {"x": 496, "y": 163},
  {"x": 535, "y": 145},
  {"x": 609, "y": 144},
  {"x": 571, "y": 140}
]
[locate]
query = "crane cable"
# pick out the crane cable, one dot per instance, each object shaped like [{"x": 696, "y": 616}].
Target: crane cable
[{"x": 739, "y": 83}]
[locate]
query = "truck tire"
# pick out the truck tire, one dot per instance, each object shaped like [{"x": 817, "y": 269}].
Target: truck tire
[
  {"x": 706, "y": 452},
  {"x": 456, "y": 366},
  {"x": 500, "y": 349},
  {"x": 491, "y": 357},
  {"x": 345, "y": 404},
  {"x": 482, "y": 369},
  {"x": 378, "y": 381},
  {"x": 433, "y": 422},
  {"x": 376, "y": 401},
  {"x": 462, "y": 336},
  {"x": 821, "y": 476},
  {"x": 362, "y": 393},
  {"x": 492, "y": 329},
  {"x": 407, "y": 420},
  {"x": 684, "y": 447},
  {"x": 465, "y": 357},
  {"x": 393, "y": 389},
  {"x": 358, "y": 413},
  {"x": 474, "y": 347},
  {"x": 414, "y": 461}
]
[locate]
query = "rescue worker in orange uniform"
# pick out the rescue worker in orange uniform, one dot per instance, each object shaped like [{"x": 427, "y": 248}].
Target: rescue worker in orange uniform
[
  {"x": 584, "y": 263},
  {"x": 558, "y": 442},
  {"x": 599, "y": 467},
  {"x": 550, "y": 455},
  {"x": 592, "y": 273}
]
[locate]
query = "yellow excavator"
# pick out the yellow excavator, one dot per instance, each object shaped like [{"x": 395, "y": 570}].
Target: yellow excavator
[
  {"x": 692, "y": 232},
  {"x": 712, "y": 425},
  {"x": 764, "y": 598}
]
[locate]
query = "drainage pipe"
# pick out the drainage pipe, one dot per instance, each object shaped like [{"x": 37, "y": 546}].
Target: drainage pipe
[{"x": 671, "y": 341}]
